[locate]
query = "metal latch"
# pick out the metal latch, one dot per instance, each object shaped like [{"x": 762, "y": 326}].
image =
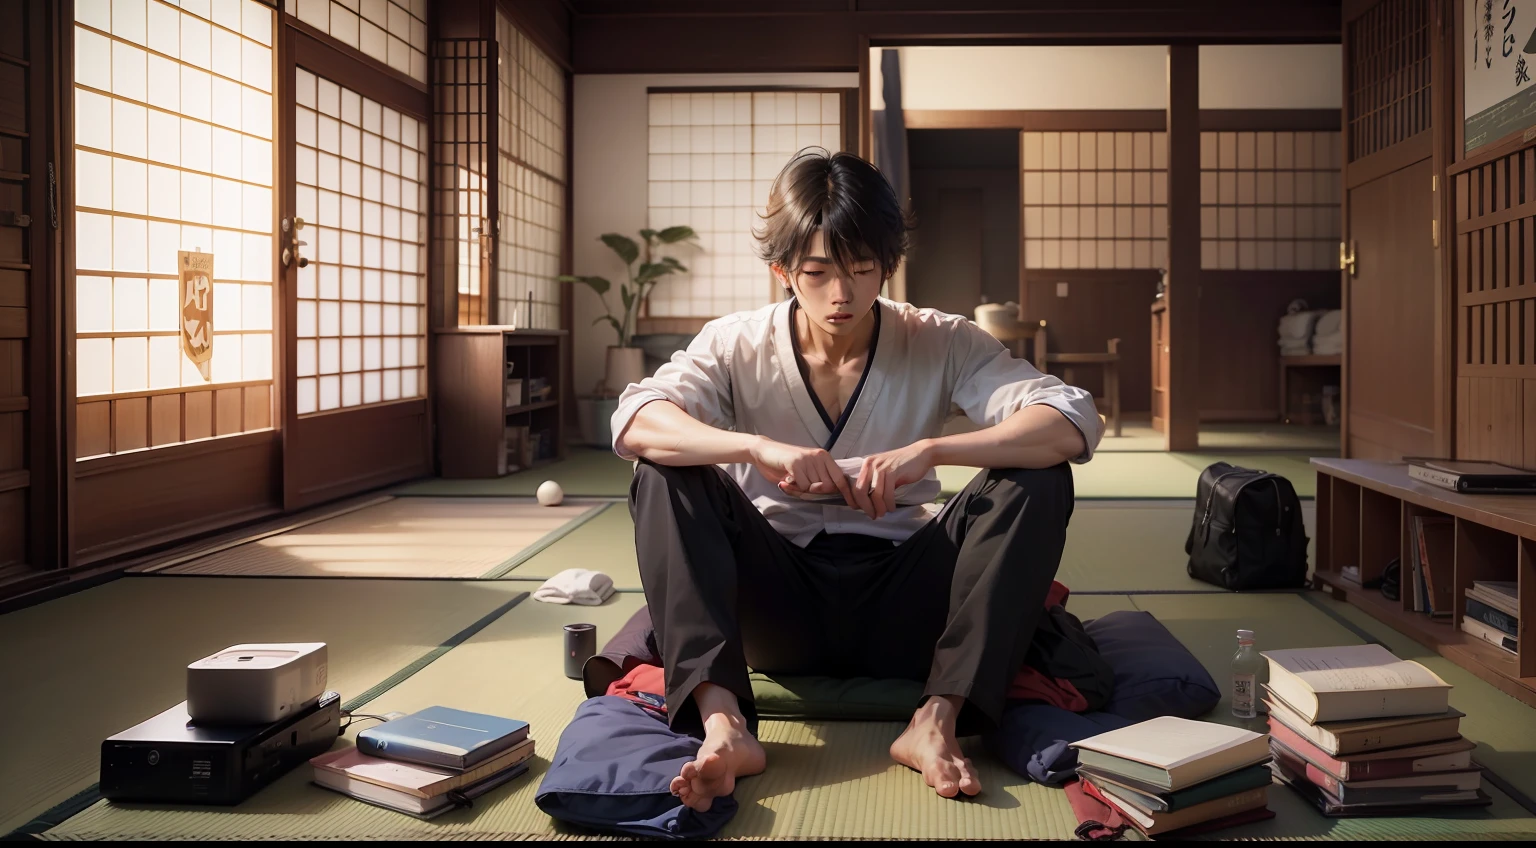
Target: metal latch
[{"x": 12, "y": 219}]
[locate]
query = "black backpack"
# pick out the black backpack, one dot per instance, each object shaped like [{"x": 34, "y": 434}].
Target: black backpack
[{"x": 1248, "y": 531}]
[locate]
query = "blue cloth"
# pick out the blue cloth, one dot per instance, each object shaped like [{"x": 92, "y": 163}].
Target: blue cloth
[
  {"x": 1155, "y": 675},
  {"x": 611, "y": 773}
]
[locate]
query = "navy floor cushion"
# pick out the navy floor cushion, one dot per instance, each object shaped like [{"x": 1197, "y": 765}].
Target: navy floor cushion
[{"x": 1155, "y": 675}]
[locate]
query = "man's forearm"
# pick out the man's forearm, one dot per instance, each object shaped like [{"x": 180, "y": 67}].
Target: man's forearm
[
  {"x": 666, "y": 435},
  {"x": 1036, "y": 436}
]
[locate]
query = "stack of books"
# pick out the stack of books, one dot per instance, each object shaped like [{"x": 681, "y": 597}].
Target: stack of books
[
  {"x": 1172, "y": 777},
  {"x": 1358, "y": 732},
  {"x": 1492, "y": 615},
  {"x": 429, "y": 762}
]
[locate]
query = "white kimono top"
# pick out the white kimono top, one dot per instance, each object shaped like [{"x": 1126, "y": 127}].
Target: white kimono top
[{"x": 741, "y": 373}]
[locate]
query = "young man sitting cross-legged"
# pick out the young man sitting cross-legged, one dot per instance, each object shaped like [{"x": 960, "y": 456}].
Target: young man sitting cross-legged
[{"x": 757, "y": 549}]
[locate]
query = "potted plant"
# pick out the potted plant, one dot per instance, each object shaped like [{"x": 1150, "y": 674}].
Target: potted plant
[{"x": 644, "y": 267}]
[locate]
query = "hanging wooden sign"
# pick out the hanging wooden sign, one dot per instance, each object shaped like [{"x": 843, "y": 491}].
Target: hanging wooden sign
[{"x": 195, "y": 273}]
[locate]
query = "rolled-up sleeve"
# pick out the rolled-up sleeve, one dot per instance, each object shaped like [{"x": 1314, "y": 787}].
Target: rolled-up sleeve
[
  {"x": 697, "y": 380},
  {"x": 990, "y": 385}
]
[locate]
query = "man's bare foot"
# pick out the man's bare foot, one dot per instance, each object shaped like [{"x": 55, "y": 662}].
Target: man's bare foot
[
  {"x": 729, "y": 751},
  {"x": 928, "y": 745}
]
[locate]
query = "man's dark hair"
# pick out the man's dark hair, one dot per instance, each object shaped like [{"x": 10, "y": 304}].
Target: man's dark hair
[{"x": 845, "y": 198}]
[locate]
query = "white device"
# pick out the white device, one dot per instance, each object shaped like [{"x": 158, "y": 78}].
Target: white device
[{"x": 256, "y": 684}]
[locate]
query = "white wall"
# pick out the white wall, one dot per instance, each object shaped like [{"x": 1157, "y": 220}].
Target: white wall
[
  {"x": 1273, "y": 76},
  {"x": 1028, "y": 78},
  {"x": 609, "y": 167}
]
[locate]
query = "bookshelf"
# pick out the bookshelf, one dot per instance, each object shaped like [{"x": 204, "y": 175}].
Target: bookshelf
[
  {"x": 1365, "y": 512},
  {"x": 489, "y": 421}
]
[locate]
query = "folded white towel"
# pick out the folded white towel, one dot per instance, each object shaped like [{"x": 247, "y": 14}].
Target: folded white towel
[
  {"x": 1298, "y": 325},
  {"x": 575, "y": 586},
  {"x": 1329, "y": 322},
  {"x": 1329, "y": 344}
]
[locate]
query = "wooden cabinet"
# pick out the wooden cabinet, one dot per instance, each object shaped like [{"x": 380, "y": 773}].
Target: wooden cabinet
[{"x": 492, "y": 416}]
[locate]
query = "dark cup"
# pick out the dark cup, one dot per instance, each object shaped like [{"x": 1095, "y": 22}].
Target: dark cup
[{"x": 580, "y": 646}]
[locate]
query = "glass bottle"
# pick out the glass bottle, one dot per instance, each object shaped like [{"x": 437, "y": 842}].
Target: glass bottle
[{"x": 1247, "y": 667}]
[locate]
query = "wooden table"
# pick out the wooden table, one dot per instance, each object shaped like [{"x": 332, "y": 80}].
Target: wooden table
[{"x": 1109, "y": 361}]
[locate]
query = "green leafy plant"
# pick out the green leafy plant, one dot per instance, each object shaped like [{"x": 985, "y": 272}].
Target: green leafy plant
[{"x": 642, "y": 278}]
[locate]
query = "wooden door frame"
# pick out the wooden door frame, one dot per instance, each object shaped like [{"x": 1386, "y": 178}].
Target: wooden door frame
[
  {"x": 304, "y": 46},
  {"x": 50, "y": 473}
]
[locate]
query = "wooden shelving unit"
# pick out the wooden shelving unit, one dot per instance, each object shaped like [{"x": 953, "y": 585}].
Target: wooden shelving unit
[
  {"x": 1365, "y": 512},
  {"x": 474, "y": 417}
]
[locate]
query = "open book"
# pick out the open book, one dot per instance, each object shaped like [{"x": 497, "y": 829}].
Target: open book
[{"x": 1354, "y": 682}]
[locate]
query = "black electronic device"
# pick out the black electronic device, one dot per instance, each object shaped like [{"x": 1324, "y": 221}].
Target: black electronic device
[{"x": 170, "y": 760}]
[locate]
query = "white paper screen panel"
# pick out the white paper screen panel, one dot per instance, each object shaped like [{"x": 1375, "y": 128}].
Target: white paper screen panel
[
  {"x": 532, "y": 176},
  {"x": 360, "y": 170},
  {"x": 1269, "y": 201},
  {"x": 393, "y": 32},
  {"x": 1095, "y": 199},
  {"x": 713, "y": 158},
  {"x": 173, "y": 116}
]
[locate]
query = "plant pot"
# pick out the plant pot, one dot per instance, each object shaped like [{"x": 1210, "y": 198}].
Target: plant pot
[
  {"x": 625, "y": 365},
  {"x": 659, "y": 347},
  {"x": 595, "y": 416}
]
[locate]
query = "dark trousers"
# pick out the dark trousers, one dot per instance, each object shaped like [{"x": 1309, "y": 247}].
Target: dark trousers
[{"x": 955, "y": 605}]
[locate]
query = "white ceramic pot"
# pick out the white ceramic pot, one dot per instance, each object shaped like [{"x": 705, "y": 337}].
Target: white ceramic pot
[{"x": 625, "y": 365}]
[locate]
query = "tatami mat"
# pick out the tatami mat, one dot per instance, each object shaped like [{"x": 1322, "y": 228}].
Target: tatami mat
[
  {"x": 1138, "y": 435},
  {"x": 403, "y": 537},
  {"x": 1112, "y": 546},
  {"x": 83, "y": 667},
  {"x": 1128, "y": 474},
  {"x": 585, "y": 472},
  {"x": 589, "y": 472},
  {"x": 825, "y": 780}
]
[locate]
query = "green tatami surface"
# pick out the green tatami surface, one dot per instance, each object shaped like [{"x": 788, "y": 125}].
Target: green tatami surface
[
  {"x": 1112, "y": 546},
  {"x": 585, "y": 472},
  {"x": 826, "y": 780},
  {"x": 83, "y": 667},
  {"x": 588, "y": 472}
]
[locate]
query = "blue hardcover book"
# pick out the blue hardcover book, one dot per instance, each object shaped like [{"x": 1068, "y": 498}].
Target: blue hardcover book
[
  {"x": 1492, "y": 617},
  {"x": 439, "y": 736}
]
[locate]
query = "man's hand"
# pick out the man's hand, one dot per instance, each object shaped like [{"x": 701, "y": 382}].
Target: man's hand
[
  {"x": 800, "y": 472},
  {"x": 883, "y": 473}
]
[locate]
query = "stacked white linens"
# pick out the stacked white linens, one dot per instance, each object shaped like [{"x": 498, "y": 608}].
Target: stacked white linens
[
  {"x": 1296, "y": 332},
  {"x": 1328, "y": 334}
]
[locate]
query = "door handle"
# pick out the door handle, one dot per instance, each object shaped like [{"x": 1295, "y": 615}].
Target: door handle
[
  {"x": 291, "y": 249},
  {"x": 1347, "y": 257}
]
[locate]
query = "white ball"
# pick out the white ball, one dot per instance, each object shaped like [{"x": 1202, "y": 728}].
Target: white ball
[{"x": 550, "y": 493}]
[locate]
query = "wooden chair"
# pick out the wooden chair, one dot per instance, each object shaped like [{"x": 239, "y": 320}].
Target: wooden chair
[{"x": 1109, "y": 362}]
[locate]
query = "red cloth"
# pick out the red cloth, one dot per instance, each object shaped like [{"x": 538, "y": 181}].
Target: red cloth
[
  {"x": 1097, "y": 821},
  {"x": 1031, "y": 685},
  {"x": 646, "y": 684}
]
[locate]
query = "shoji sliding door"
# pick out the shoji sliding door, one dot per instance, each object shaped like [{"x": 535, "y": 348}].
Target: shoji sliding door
[
  {"x": 355, "y": 172},
  {"x": 170, "y": 156}
]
